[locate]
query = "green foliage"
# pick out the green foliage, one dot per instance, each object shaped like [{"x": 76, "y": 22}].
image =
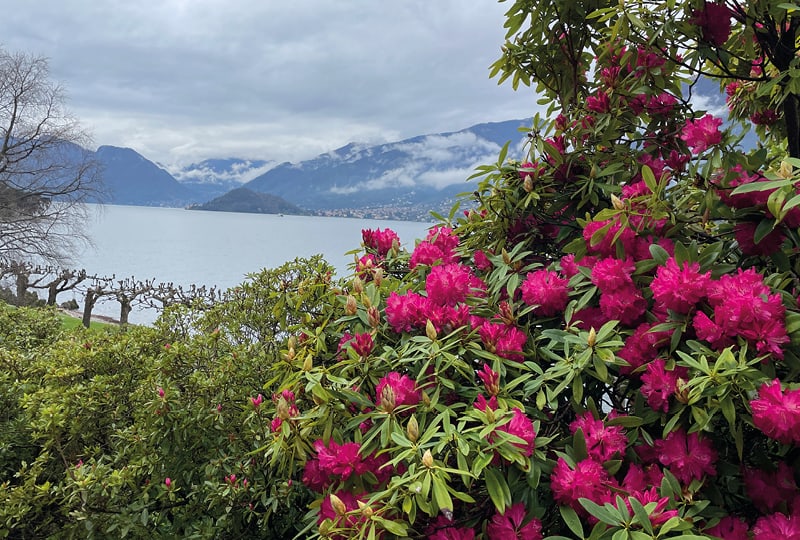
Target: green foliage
[{"x": 593, "y": 350}]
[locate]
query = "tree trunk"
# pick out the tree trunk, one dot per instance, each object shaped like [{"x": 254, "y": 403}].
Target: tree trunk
[
  {"x": 52, "y": 293},
  {"x": 125, "y": 309},
  {"x": 88, "y": 305},
  {"x": 22, "y": 287},
  {"x": 791, "y": 114}
]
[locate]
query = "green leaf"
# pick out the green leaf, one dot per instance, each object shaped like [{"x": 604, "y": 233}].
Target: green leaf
[
  {"x": 397, "y": 528},
  {"x": 760, "y": 186},
  {"x": 572, "y": 520},
  {"x": 642, "y": 516},
  {"x": 498, "y": 489},
  {"x": 441, "y": 497},
  {"x": 607, "y": 514},
  {"x": 764, "y": 227},
  {"x": 659, "y": 254}
]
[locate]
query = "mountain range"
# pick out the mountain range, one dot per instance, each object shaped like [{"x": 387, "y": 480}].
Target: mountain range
[{"x": 398, "y": 180}]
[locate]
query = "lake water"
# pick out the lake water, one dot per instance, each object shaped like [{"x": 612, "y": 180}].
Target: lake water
[{"x": 214, "y": 248}]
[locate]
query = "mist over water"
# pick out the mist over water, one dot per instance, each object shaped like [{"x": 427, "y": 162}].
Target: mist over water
[{"x": 173, "y": 245}]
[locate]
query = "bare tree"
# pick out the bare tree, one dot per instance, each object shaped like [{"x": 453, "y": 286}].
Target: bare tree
[{"x": 46, "y": 173}]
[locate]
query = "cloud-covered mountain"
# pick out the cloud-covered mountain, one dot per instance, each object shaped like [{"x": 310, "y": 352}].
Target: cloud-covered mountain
[
  {"x": 130, "y": 178},
  {"x": 412, "y": 176},
  {"x": 214, "y": 177},
  {"x": 400, "y": 180}
]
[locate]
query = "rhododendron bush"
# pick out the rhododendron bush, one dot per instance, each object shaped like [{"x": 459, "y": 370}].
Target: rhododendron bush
[{"x": 602, "y": 342}]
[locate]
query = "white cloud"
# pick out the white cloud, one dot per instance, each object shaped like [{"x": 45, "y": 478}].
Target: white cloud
[{"x": 184, "y": 80}]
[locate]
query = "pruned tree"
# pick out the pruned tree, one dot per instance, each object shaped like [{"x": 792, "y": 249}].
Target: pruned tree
[
  {"x": 128, "y": 292},
  {"x": 46, "y": 174},
  {"x": 59, "y": 280},
  {"x": 99, "y": 287}
]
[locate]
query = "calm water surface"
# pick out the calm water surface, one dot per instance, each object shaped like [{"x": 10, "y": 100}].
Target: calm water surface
[{"x": 215, "y": 248}]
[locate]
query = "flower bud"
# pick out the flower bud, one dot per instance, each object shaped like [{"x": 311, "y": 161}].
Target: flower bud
[
  {"x": 592, "y": 339},
  {"x": 338, "y": 505},
  {"x": 617, "y": 203},
  {"x": 430, "y": 330},
  {"x": 358, "y": 285},
  {"x": 351, "y": 307},
  {"x": 308, "y": 362},
  {"x": 282, "y": 409},
  {"x": 786, "y": 170},
  {"x": 426, "y": 400},
  {"x": 324, "y": 528},
  {"x": 527, "y": 183},
  {"x": 506, "y": 257},
  {"x": 377, "y": 276},
  {"x": 366, "y": 510},
  {"x": 388, "y": 399},
  {"x": 427, "y": 459},
  {"x": 374, "y": 317},
  {"x": 412, "y": 429}
]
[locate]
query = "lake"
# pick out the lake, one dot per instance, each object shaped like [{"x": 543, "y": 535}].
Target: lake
[{"x": 214, "y": 248}]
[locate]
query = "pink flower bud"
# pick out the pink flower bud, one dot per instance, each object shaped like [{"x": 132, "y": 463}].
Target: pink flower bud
[
  {"x": 256, "y": 401},
  {"x": 168, "y": 482},
  {"x": 160, "y": 392}
]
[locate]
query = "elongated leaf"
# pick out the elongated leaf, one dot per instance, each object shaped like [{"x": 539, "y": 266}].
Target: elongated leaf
[
  {"x": 603, "y": 513},
  {"x": 572, "y": 520},
  {"x": 498, "y": 489}
]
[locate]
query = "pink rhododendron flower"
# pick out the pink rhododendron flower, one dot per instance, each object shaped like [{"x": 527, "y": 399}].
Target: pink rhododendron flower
[
  {"x": 587, "y": 480},
  {"x": 361, "y": 343},
  {"x": 647, "y": 60},
  {"x": 256, "y": 401},
  {"x": 714, "y": 21},
  {"x": 482, "y": 262},
  {"x": 444, "y": 528},
  {"x": 777, "y": 527},
  {"x": 743, "y": 307},
  {"x": 395, "y": 390},
  {"x": 407, "y": 312},
  {"x": 662, "y": 104},
  {"x": 626, "y": 305},
  {"x": 769, "y": 490},
  {"x": 522, "y": 427},
  {"x": 380, "y": 241},
  {"x": 450, "y": 284},
  {"x": 658, "y": 384},
  {"x": 642, "y": 347},
  {"x": 570, "y": 267},
  {"x": 341, "y": 460},
  {"x": 491, "y": 380},
  {"x": 438, "y": 247},
  {"x": 688, "y": 457},
  {"x": 603, "y": 442},
  {"x": 680, "y": 288},
  {"x": 730, "y": 528},
  {"x": 702, "y": 133},
  {"x": 546, "y": 290},
  {"x": 777, "y": 413},
  {"x": 611, "y": 274},
  {"x": 598, "y": 103},
  {"x": 640, "y": 478},
  {"x": 509, "y": 525},
  {"x": 315, "y": 478},
  {"x": 745, "y": 231},
  {"x": 659, "y": 514},
  {"x": 605, "y": 245},
  {"x": 503, "y": 340}
]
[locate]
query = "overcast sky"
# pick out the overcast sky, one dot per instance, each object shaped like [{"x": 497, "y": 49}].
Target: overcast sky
[{"x": 184, "y": 80}]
